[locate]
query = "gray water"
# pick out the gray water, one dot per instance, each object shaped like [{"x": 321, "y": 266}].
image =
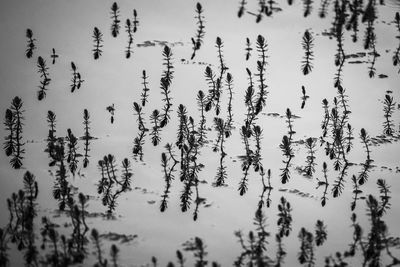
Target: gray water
[{"x": 112, "y": 79}]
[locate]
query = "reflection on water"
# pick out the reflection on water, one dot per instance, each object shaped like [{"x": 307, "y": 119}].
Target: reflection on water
[{"x": 203, "y": 137}]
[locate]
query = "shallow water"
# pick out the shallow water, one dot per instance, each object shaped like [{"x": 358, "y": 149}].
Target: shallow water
[{"x": 112, "y": 79}]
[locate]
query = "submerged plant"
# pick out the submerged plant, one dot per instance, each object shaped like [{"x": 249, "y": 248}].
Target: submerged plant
[
  {"x": 98, "y": 40},
  {"x": 72, "y": 158},
  {"x": 262, "y": 48},
  {"x": 307, "y": 249},
  {"x": 145, "y": 90},
  {"x": 115, "y": 17},
  {"x": 307, "y": 43},
  {"x": 388, "y": 109},
  {"x": 13, "y": 122},
  {"x": 198, "y": 39},
  {"x": 76, "y": 78},
  {"x": 86, "y": 137},
  {"x": 135, "y": 21},
  {"x": 129, "y": 30},
  {"x": 324, "y": 183},
  {"x": 54, "y": 55},
  {"x": 310, "y": 145},
  {"x": 363, "y": 176},
  {"x": 396, "y": 55},
  {"x": 44, "y": 74},
  {"x": 165, "y": 84},
  {"x": 109, "y": 186},
  {"x": 168, "y": 174},
  {"x": 242, "y": 8},
  {"x": 31, "y": 43},
  {"x": 285, "y": 218},
  {"x": 248, "y": 49}
]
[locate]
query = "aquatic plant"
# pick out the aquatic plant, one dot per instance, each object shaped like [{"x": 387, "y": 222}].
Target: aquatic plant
[
  {"x": 135, "y": 21},
  {"x": 115, "y": 17},
  {"x": 109, "y": 186},
  {"x": 242, "y": 8},
  {"x": 44, "y": 74},
  {"x": 213, "y": 91},
  {"x": 86, "y": 137},
  {"x": 198, "y": 248},
  {"x": 221, "y": 175},
  {"x": 307, "y": 249},
  {"x": 155, "y": 133},
  {"x": 165, "y": 84},
  {"x": 265, "y": 188},
  {"x": 356, "y": 192},
  {"x": 307, "y": 5},
  {"x": 396, "y": 54},
  {"x": 54, "y": 55},
  {"x": 111, "y": 109},
  {"x": 229, "y": 120},
  {"x": 76, "y": 78},
  {"x": 139, "y": 141},
  {"x": 129, "y": 30},
  {"x": 248, "y": 49},
  {"x": 145, "y": 90},
  {"x": 285, "y": 218},
  {"x": 31, "y": 43},
  {"x": 201, "y": 102},
  {"x": 4, "y": 258},
  {"x": 321, "y": 233},
  {"x": 198, "y": 39},
  {"x": 168, "y": 174},
  {"x": 98, "y": 40},
  {"x": 253, "y": 252},
  {"x": 96, "y": 240},
  {"x": 72, "y": 158},
  {"x": 286, "y": 147},
  {"x": 9, "y": 127},
  {"x": 262, "y": 47},
  {"x": 13, "y": 145},
  {"x": 325, "y": 122},
  {"x": 324, "y": 183},
  {"x": 304, "y": 97},
  {"x": 388, "y": 109},
  {"x": 262, "y": 9},
  {"x": 323, "y": 8},
  {"x": 307, "y": 43},
  {"x": 363, "y": 175},
  {"x": 310, "y": 145}
]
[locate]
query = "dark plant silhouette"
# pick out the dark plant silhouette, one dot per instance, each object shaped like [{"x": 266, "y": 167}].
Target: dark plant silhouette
[
  {"x": 262, "y": 47},
  {"x": 198, "y": 248},
  {"x": 310, "y": 145},
  {"x": 13, "y": 122},
  {"x": 44, "y": 75},
  {"x": 135, "y": 21},
  {"x": 242, "y": 8},
  {"x": 31, "y": 43},
  {"x": 388, "y": 109},
  {"x": 307, "y": 248},
  {"x": 229, "y": 120},
  {"x": 109, "y": 186},
  {"x": 248, "y": 49},
  {"x": 98, "y": 43},
  {"x": 145, "y": 90},
  {"x": 4, "y": 258},
  {"x": 396, "y": 55},
  {"x": 352, "y": 23},
  {"x": 96, "y": 240},
  {"x": 72, "y": 158},
  {"x": 356, "y": 192},
  {"x": 201, "y": 102},
  {"x": 321, "y": 233},
  {"x": 221, "y": 176},
  {"x": 285, "y": 218},
  {"x": 87, "y": 137},
  {"x": 111, "y": 109},
  {"x": 51, "y": 138},
  {"x": 165, "y": 84},
  {"x": 155, "y": 134},
  {"x": 115, "y": 17},
  {"x": 129, "y": 30},
  {"x": 323, "y": 9},
  {"x": 307, "y": 4},
  {"x": 265, "y": 188},
  {"x": 253, "y": 251},
  {"x": 139, "y": 140},
  {"x": 76, "y": 78},
  {"x": 198, "y": 39},
  {"x": 168, "y": 174},
  {"x": 324, "y": 183},
  {"x": 54, "y": 56},
  {"x": 114, "y": 250},
  {"x": 363, "y": 176},
  {"x": 307, "y": 43},
  {"x": 304, "y": 97}
]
